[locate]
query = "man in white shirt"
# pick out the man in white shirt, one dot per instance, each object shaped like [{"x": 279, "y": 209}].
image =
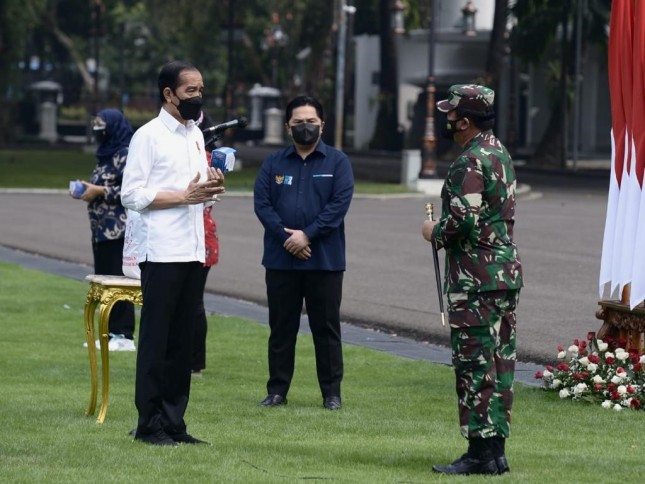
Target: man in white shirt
[{"x": 167, "y": 180}]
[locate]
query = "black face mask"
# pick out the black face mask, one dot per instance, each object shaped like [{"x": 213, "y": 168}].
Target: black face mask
[
  {"x": 101, "y": 135},
  {"x": 449, "y": 128},
  {"x": 190, "y": 108},
  {"x": 305, "y": 133}
]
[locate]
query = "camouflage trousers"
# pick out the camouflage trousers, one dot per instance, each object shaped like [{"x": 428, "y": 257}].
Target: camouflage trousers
[{"x": 482, "y": 331}]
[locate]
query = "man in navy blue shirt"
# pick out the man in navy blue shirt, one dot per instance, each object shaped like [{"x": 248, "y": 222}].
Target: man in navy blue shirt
[{"x": 301, "y": 196}]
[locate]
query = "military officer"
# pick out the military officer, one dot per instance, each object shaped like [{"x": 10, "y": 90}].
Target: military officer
[{"x": 483, "y": 277}]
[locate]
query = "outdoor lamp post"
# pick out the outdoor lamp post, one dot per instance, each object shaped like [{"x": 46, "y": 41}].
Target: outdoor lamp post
[
  {"x": 429, "y": 162},
  {"x": 398, "y": 20},
  {"x": 469, "y": 12}
]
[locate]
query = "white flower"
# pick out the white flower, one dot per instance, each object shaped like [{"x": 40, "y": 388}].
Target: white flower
[
  {"x": 592, "y": 367},
  {"x": 584, "y": 361},
  {"x": 618, "y": 408},
  {"x": 616, "y": 379},
  {"x": 622, "y": 389},
  {"x": 564, "y": 393},
  {"x": 642, "y": 360},
  {"x": 606, "y": 404},
  {"x": 621, "y": 354},
  {"x": 597, "y": 379},
  {"x": 547, "y": 374},
  {"x": 562, "y": 355},
  {"x": 580, "y": 388},
  {"x": 555, "y": 384},
  {"x": 609, "y": 354},
  {"x": 573, "y": 349},
  {"x": 602, "y": 346}
]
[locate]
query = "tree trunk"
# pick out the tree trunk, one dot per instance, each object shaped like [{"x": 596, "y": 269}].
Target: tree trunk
[
  {"x": 553, "y": 148},
  {"x": 386, "y": 134},
  {"x": 548, "y": 150},
  {"x": 497, "y": 46}
]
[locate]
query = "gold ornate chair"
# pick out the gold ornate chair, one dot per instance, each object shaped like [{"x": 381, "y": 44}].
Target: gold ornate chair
[{"x": 104, "y": 292}]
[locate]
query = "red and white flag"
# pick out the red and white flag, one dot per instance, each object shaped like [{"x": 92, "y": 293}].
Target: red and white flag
[
  {"x": 620, "y": 36},
  {"x": 623, "y": 251},
  {"x": 637, "y": 293}
]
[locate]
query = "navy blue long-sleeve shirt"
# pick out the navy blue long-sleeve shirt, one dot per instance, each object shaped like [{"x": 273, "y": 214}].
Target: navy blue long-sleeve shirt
[{"x": 312, "y": 195}]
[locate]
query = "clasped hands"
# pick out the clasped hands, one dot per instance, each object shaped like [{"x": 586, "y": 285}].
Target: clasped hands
[
  {"x": 297, "y": 244},
  {"x": 206, "y": 191}
]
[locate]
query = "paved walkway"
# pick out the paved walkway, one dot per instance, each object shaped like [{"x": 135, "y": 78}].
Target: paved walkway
[{"x": 216, "y": 304}]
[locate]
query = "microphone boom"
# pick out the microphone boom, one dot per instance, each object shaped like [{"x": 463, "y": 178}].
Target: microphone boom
[{"x": 236, "y": 123}]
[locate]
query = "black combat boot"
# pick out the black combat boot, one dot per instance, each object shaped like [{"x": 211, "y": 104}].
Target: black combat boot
[
  {"x": 498, "y": 447},
  {"x": 478, "y": 460}
]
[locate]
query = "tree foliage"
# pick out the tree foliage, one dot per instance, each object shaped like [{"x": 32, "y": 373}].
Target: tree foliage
[
  {"x": 17, "y": 20},
  {"x": 133, "y": 38}
]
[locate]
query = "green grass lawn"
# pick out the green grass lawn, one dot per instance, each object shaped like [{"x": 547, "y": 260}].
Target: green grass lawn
[
  {"x": 399, "y": 416},
  {"x": 54, "y": 168}
]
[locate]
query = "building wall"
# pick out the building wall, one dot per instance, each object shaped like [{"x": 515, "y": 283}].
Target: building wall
[
  {"x": 366, "y": 89},
  {"x": 457, "y": 59},
  {"x": 594, "y": 121},
  {"x": 449, "y": 16}
]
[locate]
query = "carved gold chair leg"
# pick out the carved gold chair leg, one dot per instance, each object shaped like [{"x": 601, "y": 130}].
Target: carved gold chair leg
[
  {"x": 104, "y": 319},
  {"x": 90, "y": 307}
]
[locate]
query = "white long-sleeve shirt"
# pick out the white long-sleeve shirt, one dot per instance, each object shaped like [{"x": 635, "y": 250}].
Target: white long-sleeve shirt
[{"x": 164, "y": 156}]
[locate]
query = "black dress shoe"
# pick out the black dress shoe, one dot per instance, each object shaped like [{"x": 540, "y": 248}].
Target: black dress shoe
[
  {"x": 157, "y": 438},
  {"x": 467, "y": 465},
  {"x": 332, "y": 403},
  {"x": 273, "y": 400},
  {"x": 187, "y": 439},
  {"x": 502, "y": 465}
]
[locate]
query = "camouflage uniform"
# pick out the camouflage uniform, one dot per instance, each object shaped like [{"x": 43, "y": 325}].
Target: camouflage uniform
[{"x": 483, "y": 273}]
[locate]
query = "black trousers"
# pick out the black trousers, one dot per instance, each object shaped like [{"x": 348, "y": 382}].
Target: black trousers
[
  {"x": 322, "y": 293},
  {"x": 201, "y": 329},
  {"x": 108, "y": 260},
  {"x": 170, "y": 301}
]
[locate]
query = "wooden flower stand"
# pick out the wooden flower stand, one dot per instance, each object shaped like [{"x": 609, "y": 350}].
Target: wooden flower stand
[{"x": 621, "y": 322}]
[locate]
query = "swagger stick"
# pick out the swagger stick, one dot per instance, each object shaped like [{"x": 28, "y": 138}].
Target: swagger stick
[{"x": 437, "y": 273}]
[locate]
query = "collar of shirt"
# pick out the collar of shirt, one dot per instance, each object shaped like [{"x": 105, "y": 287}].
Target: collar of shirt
[
  {"x": 320, "y": 148},
  {"x": 171, "y": 123},
  {"x": 478, "y": 139}
]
